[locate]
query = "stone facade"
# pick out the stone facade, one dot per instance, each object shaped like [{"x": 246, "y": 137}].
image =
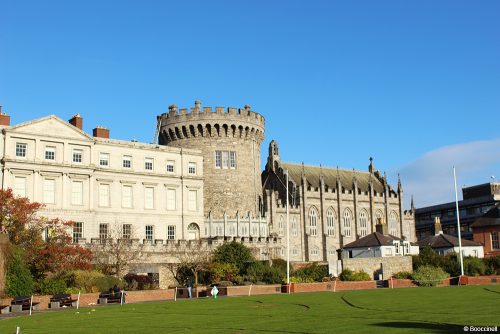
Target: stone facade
[
  {"x": 232, "y": 184},
  {"x": 375, "y": 266}
]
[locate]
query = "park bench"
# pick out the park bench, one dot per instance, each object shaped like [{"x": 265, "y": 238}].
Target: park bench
[
  {"x": 62, "y": 299},
  {"x": 22, "y": 303},
  {"x": 109, "y": 297},
  {"x": 4, "y": 309}
]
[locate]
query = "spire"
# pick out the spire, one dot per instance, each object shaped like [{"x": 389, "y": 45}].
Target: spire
[
  {"x": 400, "y": 187},
  {"x": 412, "y": 205},
  {"x": 371, "y": 167}
]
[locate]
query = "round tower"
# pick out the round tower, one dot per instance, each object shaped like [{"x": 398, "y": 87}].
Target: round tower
[{"x": 230, "y": 143}]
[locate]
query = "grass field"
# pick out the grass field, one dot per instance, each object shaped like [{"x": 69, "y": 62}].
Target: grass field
[{"x": 417, "y": 310}]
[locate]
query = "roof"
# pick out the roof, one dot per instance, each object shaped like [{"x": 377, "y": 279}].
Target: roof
[
  {"x": 490, "y": 218},
  {"x": 445, "y": 241},
  {"x": 373, "y": 240},
  {"x": 313, "y": 173}
]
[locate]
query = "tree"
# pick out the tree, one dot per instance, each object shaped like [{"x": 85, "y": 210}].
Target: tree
[
  {"x": 234, "y": 253},
  {"x": 19, "y": 281}
]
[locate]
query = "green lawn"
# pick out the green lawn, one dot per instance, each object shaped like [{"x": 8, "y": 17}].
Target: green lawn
[{"x": 417, "y": 310}]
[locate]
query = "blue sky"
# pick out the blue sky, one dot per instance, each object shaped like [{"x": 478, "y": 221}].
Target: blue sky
[{"x": 415, "y": 84}]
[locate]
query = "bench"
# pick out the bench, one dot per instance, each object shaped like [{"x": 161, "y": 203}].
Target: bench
[
  {"x": 109, "y": 297},
  {"x": 22, "y": 303},
  {"x": 61, "y": 300},
  {"x": 4, "y": 309}
]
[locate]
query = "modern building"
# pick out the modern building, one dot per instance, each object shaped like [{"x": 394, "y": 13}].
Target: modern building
[
  {"x": 486, "y": 230},
  {"x": 477, "y": 200}
]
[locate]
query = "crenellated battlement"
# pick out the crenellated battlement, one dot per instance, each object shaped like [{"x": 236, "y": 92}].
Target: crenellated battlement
[{"x": 201, "y": 122}]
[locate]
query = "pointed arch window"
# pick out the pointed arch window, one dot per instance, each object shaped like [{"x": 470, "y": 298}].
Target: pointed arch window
[
  {"x": 393, "y": 223},
  {"x": 363, "y": 223},
  {"x": 313, "y": 222},
  {"x": 331, "y": 221},
  {"x": 347, "y": 222}
]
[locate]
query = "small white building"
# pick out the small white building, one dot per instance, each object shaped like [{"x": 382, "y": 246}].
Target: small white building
[{"x": 379, "y": 245}]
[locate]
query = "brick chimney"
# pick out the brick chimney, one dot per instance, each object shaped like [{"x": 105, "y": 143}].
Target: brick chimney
[
  {"x": 438, "y": 229},
  {"x": 381, "y": 226},
  {"x": 101, "y": 132},
  {"x": 77, "y": 121},
  {"x": 4, "y": 118}
]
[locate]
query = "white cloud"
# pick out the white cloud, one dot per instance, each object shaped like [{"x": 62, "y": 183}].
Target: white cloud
[{"x": 430, "y": 177}]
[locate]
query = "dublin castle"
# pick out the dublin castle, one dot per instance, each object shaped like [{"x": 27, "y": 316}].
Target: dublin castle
[{"x": 199, "y": 184}]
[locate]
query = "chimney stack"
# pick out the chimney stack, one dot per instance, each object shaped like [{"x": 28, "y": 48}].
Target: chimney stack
[
  {"x": 101, "y": 132},
  {"x": 381, "y": 226},
  {"x": 4, "y": 118},
  {"x": 438, "y": 229},
  {"x": 77, "y": 121}
]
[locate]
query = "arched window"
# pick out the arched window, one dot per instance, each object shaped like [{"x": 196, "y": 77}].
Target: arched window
[
  {"x": 393, "y": 223},
  {"x": 331, "y": 221},
  {"x": 347, "y": 222},
  {"x": 313, "y": 221},
  {"x": 281, "y": 225},
  {"x": 294, "y": 227},
  {"x": 363, "y": 223}
]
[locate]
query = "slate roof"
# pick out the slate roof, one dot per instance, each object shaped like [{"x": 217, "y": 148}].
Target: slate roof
[
  {"x": 445, "y": 241},
  {"x": 312, "y": 174},
  {"x": 490, "y": 218},
  {"x": 374, "y": 239}
]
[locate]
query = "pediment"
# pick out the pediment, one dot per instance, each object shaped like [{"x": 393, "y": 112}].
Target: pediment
[{"x": 51, "y": 126}]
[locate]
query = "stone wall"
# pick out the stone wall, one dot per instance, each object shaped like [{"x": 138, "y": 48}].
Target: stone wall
[
  {"x": 379, "y": 265},
  {"x": 4, "y": 240}
]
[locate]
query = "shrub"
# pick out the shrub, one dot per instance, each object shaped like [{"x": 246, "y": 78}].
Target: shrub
[
  {"x": 233, "y": 253},
  {"x": 138, "y": 282},
  {"x": 52, "y": 285},
  {"x": 84, "y": 280},
  {"x": 349, "y": 275},
  {"x": 262, "y": 272},
  {"x": 403, "y": 275},
  {"x": 492, "y": 265},
  {"x": 19, "y": 281},
  {"x": 474, "y": 266},
  {"x": 224, "y": 271},
  {"x": 108, "y": 282},
  {"x": 429, "y": 275},
  {"x": 311, "y": 273}
]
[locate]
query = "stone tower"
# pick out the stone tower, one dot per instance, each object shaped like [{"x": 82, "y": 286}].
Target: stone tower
[{"x": 230, "y": 142}]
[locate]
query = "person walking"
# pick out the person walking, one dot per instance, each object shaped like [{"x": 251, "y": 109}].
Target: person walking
[{"x": 189, "y": 285}]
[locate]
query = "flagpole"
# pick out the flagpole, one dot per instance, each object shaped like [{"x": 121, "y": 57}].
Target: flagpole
[
  {"x": 287, "y": 238},
  {"x": 458, "y": 224}
]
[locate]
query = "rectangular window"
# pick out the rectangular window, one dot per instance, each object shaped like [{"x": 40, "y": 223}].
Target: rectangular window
[
  {"x": 20, "y": 186},
  {"x": 225, "y": 159},
  {"x": 104, "y": 159},
  {"x": 77, "y": 232},
  {"x": 104, "y": 195},
  {"x": 218, "y": 159},
  {"x": 127, "y": 161},
  {"x": 170, "y": 166},
  {"x": 192, "y": 168},
  {"x": 232, "y": 160},
  {"x": 103, "y": 232},
  {"x": 148, "y": 164},
  {"x": 149, "y": 198},
  {"x": 149, "y": 232},
  {"x": 171, "y": 194},
  {"x": 127, "y": 196},
  {"x": 77, "y": 156},
  {"x": 77, "y": 193},
  {"x": 495, "y": 243},
  {"x": 50, "y": 153},
  {"x": 170, "y": 232},
  {"x": 21, "y": 150},
  {"x": 192, "y": 200},
  {"x": 49, "y": 191},
  {"x": 126, "y": 231}
]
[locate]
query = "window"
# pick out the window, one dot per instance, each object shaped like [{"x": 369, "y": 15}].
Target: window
[
  {"x": 148, "y": 164},
  {"x": 281, "y": 225},
  {"x": 127, "y": 231},
  {"x": 77, "y": 156},
  {"x": 313, "y": 222},
  {"x": 49, "y": 191},
  {"x": 126, "y": 196},
  {"x": 21, "y": 150},
  {"x": 330, "y": 222},
  {"x": 294, "y": 227},
  {"x": 104, "y": 159},
  {"x": 149, "y": 232},
  {"x": 20, "y": 186},
  {"x": 192, "y": 168},
  {"x": 171, "y": 199},
  {"x": 314, "y": 252},
  {"x": 363, "y": 223},
  {"x": 50, "y": 153},
  {"x": 347, "y": 223},
  {"x": 192, "y": 200},
  {"x": 77, "y": 193},
  {"x": 103, "y": 195},
  {"x": 103, "y": 232},
  {"x": 295, "y": 251},
  {"x": 149, "y": 198},
  {"x": 225, "y": 159},
  {"x": 396, "y": 247},
  {"x": 171, "y": 232},
  {"x": 77, "y": 232},
  {"x": 127, "y": 161},
  {"x": 393, "y": 223},
  {"x": 495, "y": 243},
  {"x": 170, "y": 166}
]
